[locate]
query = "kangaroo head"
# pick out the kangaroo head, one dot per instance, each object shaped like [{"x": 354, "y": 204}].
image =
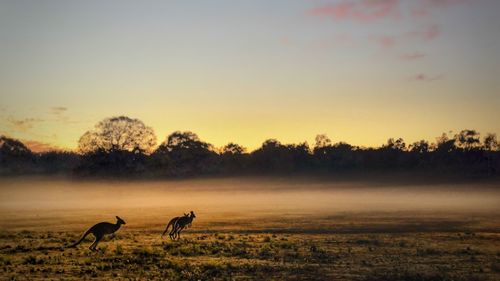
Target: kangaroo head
[
  {"x": 192, "y": 214},
  {"x": 119, "y": 220}
]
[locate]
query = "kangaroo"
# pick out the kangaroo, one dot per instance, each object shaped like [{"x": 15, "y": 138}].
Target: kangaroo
[
  {"x": 172, "y": 223},
  {"x": 99, "y": 230},
  {"x": 180, "y": 224}
]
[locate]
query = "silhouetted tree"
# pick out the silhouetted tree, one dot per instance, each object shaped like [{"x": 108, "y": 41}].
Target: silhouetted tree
[
  {"x": 391, "y": 155},
  {"x": 267, "y": 158},
  {"x": 322, "y": 141},
  {"x": 490, "y": 142},
  {"x": 444, "y": 144},
  {"x": 233, "y": 149},
  {"x": 233, "y": 158},
  {"x": 467, "y": 139},
  {"x": 273, "y": 156},
  {"x": 186, "y": 154},
  {"x": 419, "y": 154},
  {"x": 57, "y": 162},
  {"x": 15, "y": 157},
  {"x": 12, "y": 148},
  {"x": 336, "y": 157},
  {"x": 118, "y": 134},
  {"x": 397, "y": 144},
  {"x": 300, "y": 156},
  {"x": 491, "y": 149},
  {"x": 117, "y": 145},
  {"x": 420, "y": 147}
]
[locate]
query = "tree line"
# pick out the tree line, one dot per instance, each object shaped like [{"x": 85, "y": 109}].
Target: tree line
[{"x": 123, "y": 146}]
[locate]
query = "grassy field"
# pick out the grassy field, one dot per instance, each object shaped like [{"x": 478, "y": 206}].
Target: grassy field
[
  {"x": 270, "y": 236},
  {"x": 358, "y": 247}
]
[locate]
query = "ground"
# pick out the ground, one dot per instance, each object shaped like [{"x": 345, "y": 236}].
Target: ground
[
  {"x": 252, "y": 229},
  {"x": 343, "y": 247}
]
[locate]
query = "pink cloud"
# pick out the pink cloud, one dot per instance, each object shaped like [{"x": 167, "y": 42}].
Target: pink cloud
[
  {"x": 38, "y": 147},
  {"x": 424, "y": 8},
  {"x": 386, "y": 42},
  {"x": 361, "y": 10},
  {"x": 426, "y": 78},
  {"x": 390, "y": 41}
]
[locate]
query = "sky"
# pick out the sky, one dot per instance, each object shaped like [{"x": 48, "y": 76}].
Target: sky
[{"x": 360, "y": 71}]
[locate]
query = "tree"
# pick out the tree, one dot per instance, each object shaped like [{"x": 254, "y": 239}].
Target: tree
[
  {"x": 233, "y": 149},
  {"x": 232, "y": 158},
  {"x": 183, "y": 140},
  {"x": 398, "y": 144},
  {"x": 468, "y": 139},
  {"x": 420, "y": 147},
  {"x": 419, "y": 154},
  {"x": 322, "y": 141},
  {"x": 12, "y": 147},
  {"x": 14, "y": 156},
  {"x": 271, "y": 144},
  {"x": 274, "y": 156},
  {"x": 117, "y": 145},
  {"x": 490, "y": 142},
  {"x": 118, "y": 134},
  {"x": 186, "y": 154},
  {"x": 444, "y": 144}
]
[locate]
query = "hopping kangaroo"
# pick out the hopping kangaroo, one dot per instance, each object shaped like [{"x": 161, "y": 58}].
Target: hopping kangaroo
[
  {"x": 99, "y": 230},
  {"x": 180, "y": 224},
  {"x": 172, "y": 223}
]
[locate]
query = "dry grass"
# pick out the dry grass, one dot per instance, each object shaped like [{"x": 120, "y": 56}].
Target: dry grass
[
  {"x": 222, "y": 253},
  {"x": 251, "y": 230}
]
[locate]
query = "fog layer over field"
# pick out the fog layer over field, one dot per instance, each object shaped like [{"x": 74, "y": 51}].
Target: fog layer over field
[{"x": 224, "y": 199}]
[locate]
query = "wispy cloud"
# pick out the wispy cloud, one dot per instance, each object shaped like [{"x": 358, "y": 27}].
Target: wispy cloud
[
  {"x": 386, "y": 42},
  {"x": 412, "y": 56},
  {"x": 57, "y": 110},
  {"x": 23, "y": 124},
  {"x": 425, "y": 34},
  {"x": 373, "y": 10},
  {"x": 426, "y": 78},
  {"x": 368, "y": 11},
  {"x": 361, "y": 11},
  {"x": 424, "y": 8},
  {"x": 58, "y": 113}
]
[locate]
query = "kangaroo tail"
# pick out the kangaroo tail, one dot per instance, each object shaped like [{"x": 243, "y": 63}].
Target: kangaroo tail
[
  {"x": 168, "y": 225},
  {"x": 79, "y": 241}
]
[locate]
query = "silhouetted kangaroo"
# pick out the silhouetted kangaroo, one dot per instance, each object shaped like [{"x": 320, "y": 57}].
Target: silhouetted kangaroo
[
  {"x": 99, "y": 230},
  {"x": 180, "y": 224},
  {"x": 172, "y": 223}
]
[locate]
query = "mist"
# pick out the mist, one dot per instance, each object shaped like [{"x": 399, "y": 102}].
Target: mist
[{"x": 245, "y": 195}]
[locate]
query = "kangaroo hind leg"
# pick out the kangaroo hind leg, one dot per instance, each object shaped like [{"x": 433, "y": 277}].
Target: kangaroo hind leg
[
  {"x": 98, "y": 238},
  {"x": 173, "y": 231},
  {"x": 179, "y": 232}
]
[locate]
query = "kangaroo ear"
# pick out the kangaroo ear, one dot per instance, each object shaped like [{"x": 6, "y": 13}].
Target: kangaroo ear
[{"x": 118, "y": 218}]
